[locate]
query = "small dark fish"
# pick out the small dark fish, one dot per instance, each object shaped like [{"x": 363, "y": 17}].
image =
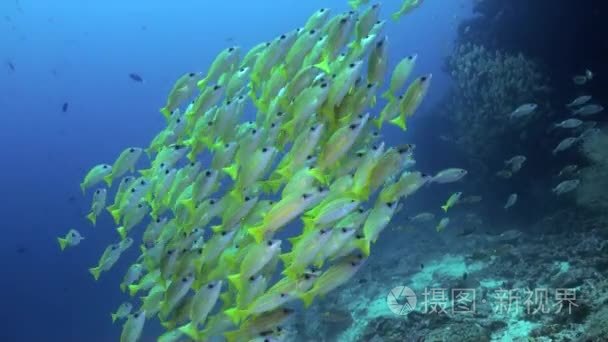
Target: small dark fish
[
  {"x": 465, "y": 275},
  {"x": 136, "y": 77},
  {"x": 421, "y": 266},
  {"x": 21, "y": 249},
  {"x": 65, "y": 106},
  {"x": 362, "y": 281},
  {"x": 11, "y": 65}
]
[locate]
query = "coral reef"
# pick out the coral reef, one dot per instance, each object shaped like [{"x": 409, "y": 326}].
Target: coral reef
[
  {"x": 591, "y": 193},
  {"x": 523, "y": 267},
  {"x": 488, "y": 86}
]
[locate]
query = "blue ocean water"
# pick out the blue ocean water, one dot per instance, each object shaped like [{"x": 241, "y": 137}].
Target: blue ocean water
[{"x": 81, "y": 53}]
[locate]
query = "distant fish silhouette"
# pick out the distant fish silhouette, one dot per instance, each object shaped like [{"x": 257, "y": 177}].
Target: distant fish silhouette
[
  {"x": 136, "y": 77},
  {"x": 11, "y": 65},
  {"x": 65, "y": 106}
]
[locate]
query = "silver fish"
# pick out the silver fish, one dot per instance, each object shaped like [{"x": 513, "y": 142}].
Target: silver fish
[
  {"x": 511, "y": 201},
  {"x": 569, "y": 123},
  {"x": 516, "y": 163},
  {"x": 589, "y": 109},
  {"x": 579, "y": 101},
  {"x": 568, "y": 169},
  {"x": 566, "y": 186},
  {"x": 523, "y": 110},
  {"x": 565, "y": 144}
]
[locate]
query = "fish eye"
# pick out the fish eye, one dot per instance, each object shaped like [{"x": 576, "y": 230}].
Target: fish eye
[
  {"x": 210, "y": 286},
  {"x": 98, "y": 191},
  {"x": 283, "y": 295},
  {"x": 353, "y": 127},
  {"x": 131, "y": 150},
  {"x": 73, "y": 234},
  {"x": 184, "y": 279},
  {"x": 267, "y": 44},
  {"x": 210, "y": 123},
  {"x": 343, "y": 21},
  {"x": 344, "y": 230},
  {"x": 254, "y": 131},
  {"x": 322, "y": 10},
  {"x": 264, "y": 150},
  {"x": 283, "y": 36},
  {"x": 132, "y": 190},
  {"x": 360, "y": 210},
  {"x": 177, "y": 147},
  {"x": 280, "y": 114},
  {"x": 353, "y": 264},
  {"x": 212, "y": 202},
  {"x": 136, "y": 315},
  {"x": 312, "y": 32},
  {"x": 273, "y": 125},
  {"x": 167, "y": 172},
  {"x": 390, "y": 204},
  {"x": 169, "y": 252},
  {"x": 308, "y": 157},
  {"x": 178, "y": 120},
  {"x": 370, "y": 85},
  {"x": 306, "y": 276},
  {"x": 140, "y": 205},
  {"x": 375, "y": 147},
  {"x": 269, "y": 243},
  {"x": 305, "y": 196},
  {"x": 105, "y": 166},
  {"x": 312, "y": 129},
  {"x": 323, "y": 85},
  {"x": 230, "y": 49},
  {"x": 143, "y": 182},
  {"x": 322, "y": 231},
  {"x": 223, "y": 233},
  {"x": 200, "y": 251},
  {"x": 247, "y": 198},
  {"x": 191, "y": 74},
  {"x": 271, "y": 202},
  {"x": 158, "y": 220},
  {"x": 423, "y": 78},
  {"x": 242, "y": 69},
  {"x": 252, "y": 278},
  {"x": 359, "y": 236},
  {"x": 113, "y": 248},
  {"x": 226, "y": 145},
  {"x": 208, "y": 173},
  {"x": 216, "y": 87}
]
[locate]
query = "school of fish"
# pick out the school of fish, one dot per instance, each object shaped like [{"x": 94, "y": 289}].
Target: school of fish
[{"x": 213, "y": 205}]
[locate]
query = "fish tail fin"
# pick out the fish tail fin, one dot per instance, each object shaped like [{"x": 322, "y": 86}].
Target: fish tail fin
[
  {"x": 289, "y": 127},
  {"x": 324, "y": 64},
  {"x": 271, "y": 186},
  {"x": 95, "y": 271},
  {"x": 189, "y": 205},
  {"x": 114, "y": 317},
  {"x": 445, "y": 208},
  {"x": 82, "y": 187},
  {"x": 190, "y": 329},
  {"x": 108, "y": 179},
  {"x": 395, "y": 16},
  {"x": 291, "y": 272},
  {"x": 286, "y": 258},
  {"x": 165, "y": 112},
  {"x": 133, "y": 289},
  {"x": 202, "y": 83},
  {"x": 319, "y": 176},
  {"x": 400, "y": 122},
  {"x": 147, "y": 173},
  {"x": 62, "y": 243},
  {"x": 378, "y": 122},
  {"x": 115, "y": 215},
  {"x": 257, "y": 233},
  {"x": 123, "y": 287},
  {"x": 232, "y": 336},
  {"x": 217, "y": 228},
  {"x": 364, "y": 246},
  {"x": 231, "y": 170},
  {"x": 122, "y": 231},
  {"x": 236, "y": 315},
  {"x": 235, "y": 280},
  {"x": 307, "y": 298},
  {"x": 309, "y": 223},
  {"x": 92, "y": 217}
]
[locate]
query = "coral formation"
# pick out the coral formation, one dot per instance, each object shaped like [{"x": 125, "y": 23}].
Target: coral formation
[
  {"x": 591, "y": 193},
  {"x": 488, "y": 86}
]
